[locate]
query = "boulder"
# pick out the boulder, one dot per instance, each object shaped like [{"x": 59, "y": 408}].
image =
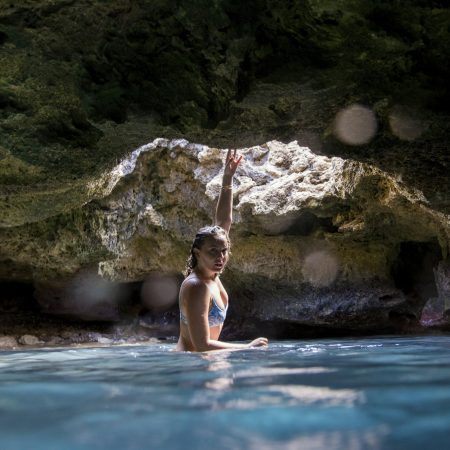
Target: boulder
[
  {"x": 433, "y": 313},
  {"x": 442, "y": 276},
  {"x": 436, "y": 312},
  {"x": 29, "y": 339},
  {"x": 8, "y": 342}
]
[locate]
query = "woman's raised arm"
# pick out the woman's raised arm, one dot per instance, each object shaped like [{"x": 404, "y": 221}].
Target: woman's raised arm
[{"x": 224, "y": 209}]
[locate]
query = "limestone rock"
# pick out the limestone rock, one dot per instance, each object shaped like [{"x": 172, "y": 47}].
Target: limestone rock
[
  {"x": 104, "y": 340},
  {"x": 55, "y": 340},
  {"x": 320, "y": 227},
  {"x": 436, "y": 311},
  {"x": 8, "y": 342},
  {"x": 433, "y": 313},
  {"x": 76, "y": 95},
  {"x": 442, "y": 275},
  {"x": 28, "y": 339}
]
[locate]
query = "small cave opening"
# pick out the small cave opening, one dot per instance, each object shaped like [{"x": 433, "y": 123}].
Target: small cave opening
[
  {"x": 3, "y": 37},
  {"x": 16, "y": 300},
  {"x": 307, "y": 223},
  {"x": 413, "y": 272}
]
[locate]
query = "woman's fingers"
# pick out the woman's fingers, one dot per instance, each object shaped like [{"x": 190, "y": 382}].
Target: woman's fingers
[
  {"x": 232, "y": 157},
  {"x": 232, "y": 161},
  {"x": 259, "y": 342},
  {"x": 236, "y": 160}
]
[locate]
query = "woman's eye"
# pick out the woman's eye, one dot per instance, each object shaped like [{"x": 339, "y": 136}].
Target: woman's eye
[{"x": 216, "y": 251}]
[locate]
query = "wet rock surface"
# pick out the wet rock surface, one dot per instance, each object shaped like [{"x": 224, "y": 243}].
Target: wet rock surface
[
  {"x": 24, "y": 324},
  {"x": 436, "y": 312},
  {"x": 317, "y": 241},
  {"x": 85, "y": 82},
  {"x": 342, "y": 204}
]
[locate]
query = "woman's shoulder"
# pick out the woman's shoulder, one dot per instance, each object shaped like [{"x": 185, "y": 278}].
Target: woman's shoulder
[{"x": 193, "y": 285}]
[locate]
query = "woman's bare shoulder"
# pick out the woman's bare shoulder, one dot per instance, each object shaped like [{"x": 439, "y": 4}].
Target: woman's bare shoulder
[{"x": 193, "y": 286}]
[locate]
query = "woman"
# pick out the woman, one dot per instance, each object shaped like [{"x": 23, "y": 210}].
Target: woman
[{"x": 203, "y": 299}]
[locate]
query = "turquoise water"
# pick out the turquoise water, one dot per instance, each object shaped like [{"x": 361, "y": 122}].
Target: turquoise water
[{"x": 375, "y": 393}]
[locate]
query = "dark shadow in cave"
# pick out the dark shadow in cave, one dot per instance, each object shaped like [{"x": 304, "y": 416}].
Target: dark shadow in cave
[
  {"x": 413, "y": 273},
  {"x": 20, "y": 314},
  {"x": 307, "y": 223}
]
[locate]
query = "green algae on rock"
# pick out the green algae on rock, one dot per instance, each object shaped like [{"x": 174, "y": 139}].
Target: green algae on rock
[
  {"x": 83, "y": 83},
  {"x": 315, "y": 227}
]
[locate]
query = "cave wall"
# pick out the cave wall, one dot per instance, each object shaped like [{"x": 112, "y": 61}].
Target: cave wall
[
  {"x": 318, "y": 242},
  {"x": 83, "y": 84}
]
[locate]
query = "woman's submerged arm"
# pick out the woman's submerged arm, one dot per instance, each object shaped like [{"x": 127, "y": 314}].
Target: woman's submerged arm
[
  {"x": 197, "y": 298},
  {"x": 224, "y": 208}
]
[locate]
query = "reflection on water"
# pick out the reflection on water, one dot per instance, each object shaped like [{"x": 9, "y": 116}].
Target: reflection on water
[
  {"x": 345, "y": 394},
  {"x": 218, "y": 363},
  {"x": 324, "y": 395}
]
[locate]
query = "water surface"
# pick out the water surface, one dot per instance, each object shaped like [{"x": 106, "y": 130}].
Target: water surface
[{"x": 374, "y": 393}]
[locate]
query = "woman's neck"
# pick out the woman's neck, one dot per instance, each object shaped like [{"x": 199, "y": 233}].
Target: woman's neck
[{"x": 205, "y": 275}]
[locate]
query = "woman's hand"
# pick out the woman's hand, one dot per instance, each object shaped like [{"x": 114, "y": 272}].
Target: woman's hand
[
  {"x": 224, "y": 210},
  {"x": 231, "y": 163},
  {"x": 259, "y": 342}
]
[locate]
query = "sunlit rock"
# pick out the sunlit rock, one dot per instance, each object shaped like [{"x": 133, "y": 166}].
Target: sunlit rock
[
  {"x": 314, "y": 226},
  {"x": 78, "y": 92}
]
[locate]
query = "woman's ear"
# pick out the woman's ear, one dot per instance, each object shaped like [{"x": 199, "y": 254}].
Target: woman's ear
[{"x": 195, "y": 251}]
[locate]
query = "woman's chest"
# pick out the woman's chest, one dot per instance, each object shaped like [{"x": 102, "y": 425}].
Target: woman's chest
[{"x": 220, "y": 294}]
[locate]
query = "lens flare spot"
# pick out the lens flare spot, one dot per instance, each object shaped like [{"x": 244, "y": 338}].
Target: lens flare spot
[
  {"x": 93, "y": 298},
  {"x": 159, "y": 291},
  {"x": 405, "y": 126},
  {"x": 320, "y": 268},
  {"x": 355, "y": 125}
]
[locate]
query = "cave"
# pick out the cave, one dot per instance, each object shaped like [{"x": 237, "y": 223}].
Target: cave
[
  {"x": 21, "y": 314},
  {"x": 412, "y": 271},
  {"x": 308, "y": 223},
  {"x": 59, "y": 320}
]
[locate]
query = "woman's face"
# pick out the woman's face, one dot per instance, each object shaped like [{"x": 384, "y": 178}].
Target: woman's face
[{"x": 213, "y": 254}]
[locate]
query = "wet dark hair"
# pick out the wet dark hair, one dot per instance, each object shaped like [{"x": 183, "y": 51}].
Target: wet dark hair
[{"x": 204, "y": 233}]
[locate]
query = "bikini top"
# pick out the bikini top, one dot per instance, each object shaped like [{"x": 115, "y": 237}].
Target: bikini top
[{"x": 216, "y": 315}]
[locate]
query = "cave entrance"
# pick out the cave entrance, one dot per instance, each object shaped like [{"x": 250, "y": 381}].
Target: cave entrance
[
  {"x": 413, "y": 270},
  {"x": 307, "y": 223}
]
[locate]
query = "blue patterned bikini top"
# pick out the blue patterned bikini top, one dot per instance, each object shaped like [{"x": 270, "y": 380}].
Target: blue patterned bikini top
[{"x": 216, "y": 315}]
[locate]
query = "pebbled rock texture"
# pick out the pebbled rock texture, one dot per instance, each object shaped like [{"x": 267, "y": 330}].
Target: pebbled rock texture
[
  {"x": 82, "y": 83},
  {"x": 317, "y": 241}
]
